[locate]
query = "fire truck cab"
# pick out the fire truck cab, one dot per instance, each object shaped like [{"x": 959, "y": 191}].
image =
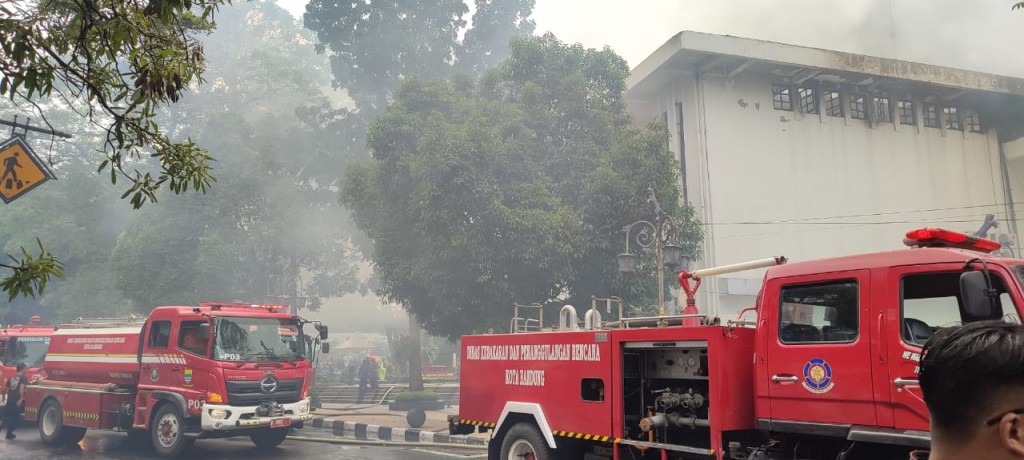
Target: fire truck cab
[
  {"x": 24, "y": 343},
  {"x": 824, "y": 366}
]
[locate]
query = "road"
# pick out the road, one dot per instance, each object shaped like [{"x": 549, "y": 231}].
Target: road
[{"x": 105, "y": 445}]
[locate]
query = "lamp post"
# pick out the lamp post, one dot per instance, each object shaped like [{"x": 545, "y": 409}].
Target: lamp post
[{"x": 657, "y": 233}]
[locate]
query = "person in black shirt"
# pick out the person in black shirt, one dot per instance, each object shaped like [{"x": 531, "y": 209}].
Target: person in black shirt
[
  {"x": 14, "y": 387},
  {"x": 365, "y": 369}
]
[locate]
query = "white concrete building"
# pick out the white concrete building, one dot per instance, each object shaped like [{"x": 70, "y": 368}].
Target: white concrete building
[{"x": 810, "y": 153}]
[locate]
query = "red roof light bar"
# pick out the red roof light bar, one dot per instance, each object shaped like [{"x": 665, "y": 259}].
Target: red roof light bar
[
  {"x": 219, "y": 305},
  {"x": 938, "y": 238}
]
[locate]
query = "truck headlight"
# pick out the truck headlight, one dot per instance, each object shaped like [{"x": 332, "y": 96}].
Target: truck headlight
[
  {"x": 219, "y": 414},
  {"x": 303, "y": 407}
]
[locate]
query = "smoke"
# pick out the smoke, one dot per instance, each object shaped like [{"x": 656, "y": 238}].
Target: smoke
[{"x": 980, "y": 35}]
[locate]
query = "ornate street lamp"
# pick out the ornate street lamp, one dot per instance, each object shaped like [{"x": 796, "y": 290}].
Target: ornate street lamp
[
  {"x": 674, "y": 256},
  {"x": 657, "y": 234},
  {"x": 627, "y": 262}
]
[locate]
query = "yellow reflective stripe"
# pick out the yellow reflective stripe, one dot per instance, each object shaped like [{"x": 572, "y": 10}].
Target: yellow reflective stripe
[
  {"x": 82, "y": 415},
  {"x": 585, "y": 436}
]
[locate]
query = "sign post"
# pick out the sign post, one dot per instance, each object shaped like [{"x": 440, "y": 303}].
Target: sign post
[{"x": 21, "y": 170}]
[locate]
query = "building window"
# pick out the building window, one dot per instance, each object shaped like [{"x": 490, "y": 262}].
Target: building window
[
  {"x": 782, "y": 97},
  {"x": 817, "y": 313},
  {"x": 808, "y": 100},
  {"x": 858, "y": 109},
  {"x": 906, "y": 112},
  {"x": 952, "y": 118},
  {"x": 972, "y": 120},
  {"x": 883, "y": 111},
  {"x": 931, "y": 116},
  {"x": 833, "y": 104}
]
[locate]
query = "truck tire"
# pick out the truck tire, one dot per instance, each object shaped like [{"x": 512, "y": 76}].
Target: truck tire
[
  {"x": 167, "y": 432},
  {"x": 524, "y": 439},
  {"x": 52, "y": 429},
  {"x": 268, "y": 438}
]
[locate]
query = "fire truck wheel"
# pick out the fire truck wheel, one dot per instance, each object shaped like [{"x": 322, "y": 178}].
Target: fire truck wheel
[
  {"x": 524, "y": 441},
  {"x": 268, "y": 438},
  {"x": 52, "y": 429},
  {"x": 167, "y": 432}
]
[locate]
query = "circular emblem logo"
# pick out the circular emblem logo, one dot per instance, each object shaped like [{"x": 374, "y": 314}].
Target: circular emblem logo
[
  {"x": 268, "y": 384},
  {"x": 818, "y": 376},
  {"x": 154, "y": 375}
]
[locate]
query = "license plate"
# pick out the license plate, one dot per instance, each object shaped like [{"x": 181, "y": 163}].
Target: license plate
[{"x": 280, "y": 422}]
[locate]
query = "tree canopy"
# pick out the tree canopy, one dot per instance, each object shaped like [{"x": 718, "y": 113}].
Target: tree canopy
[
  {"x": 116, "y": 63},
  {"x": 272, "y": 227},
  {"x": 513, "y": 188},
  {"x": 375, "y": 44}
]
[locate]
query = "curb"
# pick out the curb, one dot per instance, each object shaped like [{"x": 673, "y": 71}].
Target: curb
[{"x": 365, "y": 431}]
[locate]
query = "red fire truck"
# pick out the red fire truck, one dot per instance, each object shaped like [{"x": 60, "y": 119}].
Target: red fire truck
[
  {"x": 824, "y": 366},
  {"x": 216, "y": 370},
  {"x": 24, "y": 343}
]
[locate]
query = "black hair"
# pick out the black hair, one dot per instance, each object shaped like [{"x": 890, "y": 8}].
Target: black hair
[
  {"x": 965, "y": 370},
  {"x": 20, "y": 367}
]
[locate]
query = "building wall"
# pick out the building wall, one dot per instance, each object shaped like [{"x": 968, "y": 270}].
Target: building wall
[{"x": 764, "y": 179}]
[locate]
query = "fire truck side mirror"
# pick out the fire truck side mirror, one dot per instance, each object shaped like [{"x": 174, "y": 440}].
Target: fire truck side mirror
[
  {"x": 325, "y": 348},
  {"x": 323, "y": 331},
  {"x": 980, "y": 300},
  {"x": 204, "y": 332}
]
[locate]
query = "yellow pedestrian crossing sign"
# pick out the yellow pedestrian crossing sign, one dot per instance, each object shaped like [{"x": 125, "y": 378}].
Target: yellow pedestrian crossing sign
[{"x": 20, "y": 169}]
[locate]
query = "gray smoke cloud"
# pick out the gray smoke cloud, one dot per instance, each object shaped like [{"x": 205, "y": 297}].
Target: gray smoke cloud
[{"x": 981, "y": 35}]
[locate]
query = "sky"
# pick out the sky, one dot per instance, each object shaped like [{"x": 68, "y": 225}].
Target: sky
[{"x": 982, "y": 35}]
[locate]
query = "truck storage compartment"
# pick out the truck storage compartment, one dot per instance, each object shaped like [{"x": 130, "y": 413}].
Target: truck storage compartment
[
  {"x": 666, "y": 393},
  {"x": 100, "y": 355}
]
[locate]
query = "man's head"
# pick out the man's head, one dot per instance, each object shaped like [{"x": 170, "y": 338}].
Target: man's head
[
  {"x": 20, "y": 367},
  {"x": 972, "y": 378}
]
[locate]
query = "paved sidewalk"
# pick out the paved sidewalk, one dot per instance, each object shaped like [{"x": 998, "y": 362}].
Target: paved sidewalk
[{"x": 376, "y": 422}]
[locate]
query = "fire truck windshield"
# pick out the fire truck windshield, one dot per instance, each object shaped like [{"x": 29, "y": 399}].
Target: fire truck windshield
[
  {"x": 28, "y": 350},
  {"x": 243, "y": 339}
]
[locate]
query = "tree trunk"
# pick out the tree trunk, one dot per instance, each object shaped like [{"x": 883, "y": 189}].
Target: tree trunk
[{"x": 415, "y": 362}]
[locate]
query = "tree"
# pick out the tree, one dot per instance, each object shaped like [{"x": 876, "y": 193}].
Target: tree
[
  {"x": 116, "y": 62},
  {"x": 273, "y": 228},
  {"x": 495, "y": 24},
  {"x": 374, "y": 45},
  {"x": 514, "y": 188},
  {"x": 80, "y": 218}
]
